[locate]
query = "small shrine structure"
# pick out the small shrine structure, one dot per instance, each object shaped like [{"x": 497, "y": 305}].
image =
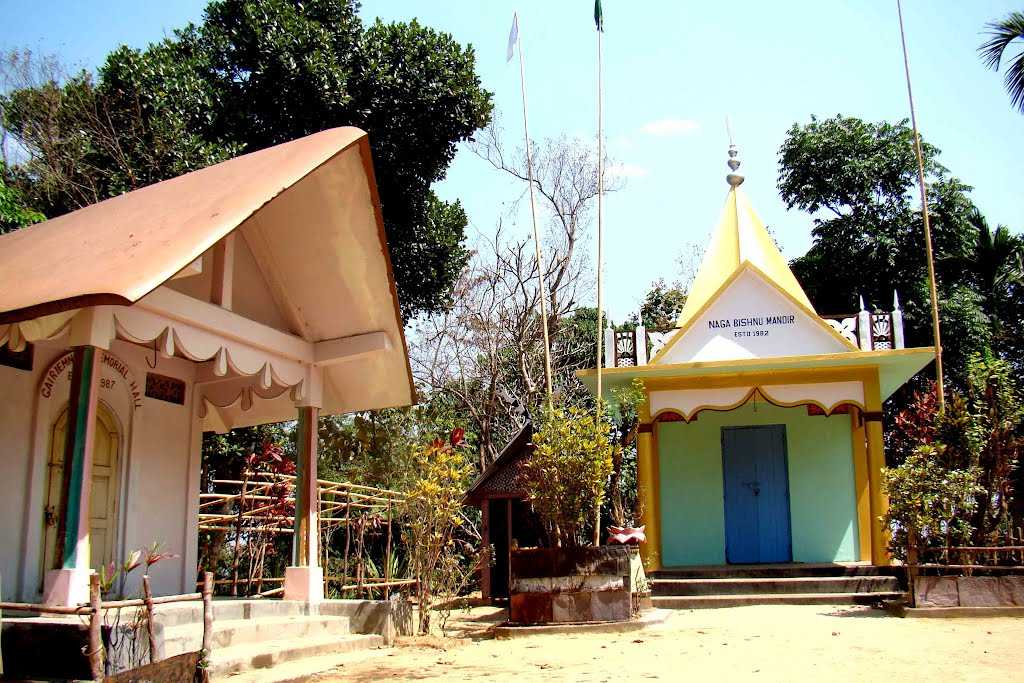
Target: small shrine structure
[
  {"x": 507, "y": 520},
  {"x": 760, "y": 439}
]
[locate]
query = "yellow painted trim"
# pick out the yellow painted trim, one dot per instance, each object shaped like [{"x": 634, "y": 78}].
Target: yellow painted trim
[
  {"x": 876, "y": 461},
  {"x": 860, "y": 483},
  {"x": 650, "y": 551},
  {"x": 740, "y": 269},
  {"x": 866, "y": 356},
  {"x": 750, "y": 395}
]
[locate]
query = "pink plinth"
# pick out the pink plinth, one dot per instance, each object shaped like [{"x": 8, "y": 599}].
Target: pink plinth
[
  {"x": 304, "y": 583},
  {"x": 66, "y": 587}
]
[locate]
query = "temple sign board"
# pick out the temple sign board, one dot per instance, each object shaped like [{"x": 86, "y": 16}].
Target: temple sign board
[{"x": 751, "y": 318}]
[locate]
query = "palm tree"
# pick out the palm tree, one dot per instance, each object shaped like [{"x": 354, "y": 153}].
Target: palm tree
[
  {"x": 996, "y": 261},
  {"x": 1001, "y": 34}
]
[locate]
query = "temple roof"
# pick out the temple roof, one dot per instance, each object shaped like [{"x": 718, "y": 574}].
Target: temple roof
[{"x": 740, "y": 237}]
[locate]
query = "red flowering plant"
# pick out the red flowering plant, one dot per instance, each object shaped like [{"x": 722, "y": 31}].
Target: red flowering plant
[
  {"x": 270, "y": 458},
  {"x": 913, "y": 426}
]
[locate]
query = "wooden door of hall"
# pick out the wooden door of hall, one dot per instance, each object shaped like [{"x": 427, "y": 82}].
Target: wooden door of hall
[
  {"x": 105, "y": 483},
  {"x": 756, "y": 495}
]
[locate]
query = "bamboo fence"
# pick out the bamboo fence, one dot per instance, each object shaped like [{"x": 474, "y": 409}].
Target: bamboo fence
[{"x": 258, "y": 507}]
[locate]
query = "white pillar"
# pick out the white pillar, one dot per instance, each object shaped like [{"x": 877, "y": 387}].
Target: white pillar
[
  {"x": 864, "y": 327},
  {"x": 609, "y": 347},
  {"x": 897, "y": 322},
  {"x": 641, "y": 345}
]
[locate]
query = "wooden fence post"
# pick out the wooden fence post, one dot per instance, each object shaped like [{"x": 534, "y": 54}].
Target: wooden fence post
[
  {"x": 238, "y": 532},
  {"x": 147, "y": 596},
  {"x": 387, "y": 557},
  {"x": 348, "y": 538},
  {"x": 207, "y": 622},
  {"x": 95, "y": 629}
]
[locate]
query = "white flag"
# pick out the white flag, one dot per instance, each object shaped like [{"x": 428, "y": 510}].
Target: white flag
[{"x": 513, "y": 37}]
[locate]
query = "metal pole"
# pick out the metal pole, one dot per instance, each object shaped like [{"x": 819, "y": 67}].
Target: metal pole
[
  {"x": 940, "y": 390},
  {"x": 536, "y": 236}
]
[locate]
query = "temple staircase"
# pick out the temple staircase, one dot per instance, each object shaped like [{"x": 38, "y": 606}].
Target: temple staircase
[
  {"x": 779, "y": 584},
  {"x": 251, "y": 636}
]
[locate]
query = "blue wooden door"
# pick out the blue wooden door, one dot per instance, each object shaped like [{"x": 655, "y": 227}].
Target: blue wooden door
[{"x": 756, "y": 490}]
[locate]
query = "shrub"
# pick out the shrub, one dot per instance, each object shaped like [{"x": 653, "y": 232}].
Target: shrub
[
  {"x": 929, "y": 504},
  {"x": 439, "y": 560},
  {"x": 566, "y": 476}
]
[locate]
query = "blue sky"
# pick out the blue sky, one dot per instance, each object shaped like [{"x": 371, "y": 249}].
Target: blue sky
[{"x": 673, "y": 71}]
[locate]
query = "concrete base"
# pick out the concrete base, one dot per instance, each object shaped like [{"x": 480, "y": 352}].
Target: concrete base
[
  {"x": 304, "y": 583},
  {"x": 66, "y": 587},
  {"x": 650, "y": 618},
  {"x": 958, "y": 612}
]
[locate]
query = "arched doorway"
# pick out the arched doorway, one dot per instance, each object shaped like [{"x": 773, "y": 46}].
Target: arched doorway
[{"x": 105, "y": 488}]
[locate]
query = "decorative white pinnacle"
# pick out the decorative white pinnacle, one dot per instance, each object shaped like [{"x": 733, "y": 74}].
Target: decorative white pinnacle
[
  {"x": 734, "y": 179},
  {"x": 895, "y": 300},
  {"x": 862, "y": 302}
]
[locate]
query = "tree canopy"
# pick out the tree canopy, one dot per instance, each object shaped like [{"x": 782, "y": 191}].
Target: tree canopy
[
  {"x": 857, "y": 179},
  {"x": 252, "y": 74}
]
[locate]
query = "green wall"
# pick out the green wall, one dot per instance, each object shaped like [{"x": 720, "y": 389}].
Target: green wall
[{"x": 823, "y": 508}]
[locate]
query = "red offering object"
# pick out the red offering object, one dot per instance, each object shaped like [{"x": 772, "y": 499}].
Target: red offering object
[{"x": 627, "y": 535}]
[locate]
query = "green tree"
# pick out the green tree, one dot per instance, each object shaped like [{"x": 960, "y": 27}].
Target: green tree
[
  {"x": 857, "y": 179},
  {"x": 14, "y": 213},
  {"x": 255, "y": 73},
  {"x": 1002, "y": 34},
  {"x": 662, "y": 305},
  {"x": 992, "y": 267}
]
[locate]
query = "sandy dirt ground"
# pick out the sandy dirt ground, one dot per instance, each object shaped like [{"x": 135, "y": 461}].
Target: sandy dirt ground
[{"x": 769, "y": 643}]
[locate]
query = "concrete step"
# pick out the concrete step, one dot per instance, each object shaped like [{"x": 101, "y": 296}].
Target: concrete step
[
  {"x": 796, "y": 584},
  {"x": 227, "y": 609},
  {"x": 713, "y": 601},
  {"x": 299, "y": 670},
  {"x": 262, "y": 655},
  {"x": 776, "y": 571},
  {"x": 231, "y": 632}
]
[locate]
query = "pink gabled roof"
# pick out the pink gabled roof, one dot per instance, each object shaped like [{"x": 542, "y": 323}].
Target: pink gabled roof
[{"x": 311, "y": 204}]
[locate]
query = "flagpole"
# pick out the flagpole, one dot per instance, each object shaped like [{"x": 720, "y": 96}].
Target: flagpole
[
  {"x": 940, "y": 390},
  {"x": 600, "y": 241},
  {"x": 533, "y": 216}
]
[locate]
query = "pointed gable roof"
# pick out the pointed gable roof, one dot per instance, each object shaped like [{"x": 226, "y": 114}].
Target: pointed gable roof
[{"x": 739, "y": 238}]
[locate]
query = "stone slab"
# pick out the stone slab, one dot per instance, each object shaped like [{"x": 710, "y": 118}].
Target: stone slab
[
  {"x": 980, "y": 591},
  {"x": 530, "y": 608},
  {"x": 936, "y": 591},
  {"x": 610, "y": 605},
  {"x": 960, "y": 612},
  {"x": 1013, "y": 590},
  {"x": 568, "y": 608}
]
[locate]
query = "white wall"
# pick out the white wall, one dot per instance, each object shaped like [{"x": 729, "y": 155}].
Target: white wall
[{"x": 158, "y": 456}]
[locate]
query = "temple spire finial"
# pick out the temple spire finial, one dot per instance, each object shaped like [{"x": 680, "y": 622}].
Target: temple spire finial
[{"x": 734, "y": 179}]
